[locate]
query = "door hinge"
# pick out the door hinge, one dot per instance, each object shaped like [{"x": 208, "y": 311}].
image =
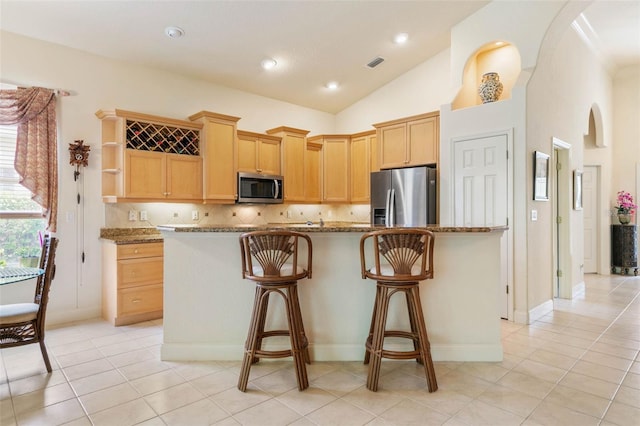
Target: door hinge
[
  {"x": 558, "y": 166},
  {"x": 507, "y": 221},
  {"x": 558, "y": 219},
  {"x": 559, "y": 273},
  {"x": 507, "y": 289}
]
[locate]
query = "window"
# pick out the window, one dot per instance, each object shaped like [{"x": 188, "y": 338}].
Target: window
[{"x": 21, "y": 221}]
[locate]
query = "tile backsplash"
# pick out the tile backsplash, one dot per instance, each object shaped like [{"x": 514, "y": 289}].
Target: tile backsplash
[{"x": 153, "y": 214}]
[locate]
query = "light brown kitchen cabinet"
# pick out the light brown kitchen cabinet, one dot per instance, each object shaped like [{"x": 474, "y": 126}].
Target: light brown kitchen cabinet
[
  {"x": 313, "y": 172},
  {"x": 294, "y": 147},
  {"x": 149, "y": 158},
  {"x": 218, "y": 156},
  {"x": 410, "y": 141},
  {"x": 259, "y": 153},
  {"x": 157, "y": 176},
  {"x": 132, "y": 282},
  {"x": 363, "y": 161},
  {"x": 335, "y": 167}
]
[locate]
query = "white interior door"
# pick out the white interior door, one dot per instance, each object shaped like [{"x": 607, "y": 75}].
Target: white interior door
[
  {"x": 590, "y": 218},
  {"x": 481, "y": 193}
]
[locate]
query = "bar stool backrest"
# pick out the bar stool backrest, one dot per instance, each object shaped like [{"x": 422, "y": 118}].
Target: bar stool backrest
[
  {"x": 272, "y": 256},
  {"x": 398, "y": 255}
]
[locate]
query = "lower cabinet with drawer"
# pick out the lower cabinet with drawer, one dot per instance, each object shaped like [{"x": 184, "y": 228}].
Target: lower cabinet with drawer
[{"x": 132, "y": 277}]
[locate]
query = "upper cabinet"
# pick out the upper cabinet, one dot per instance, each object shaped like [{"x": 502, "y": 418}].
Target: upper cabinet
[
  {"x": 219, "y": 156},
  {"x": 149, "y": 158},
  {"x": 363, "y": 160},
  {"x": 335, "y": 167},
  {"x": 294, "y": 147},
  {"x": 313, "y": 172},
  {"x": 410, "y": 141},
  {"x": 259, "y": 153}
]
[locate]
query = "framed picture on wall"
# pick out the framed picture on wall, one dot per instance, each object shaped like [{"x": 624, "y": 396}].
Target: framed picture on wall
[
  {"x": 577, "y": 189},
  {"x": 540, "y": 176}
]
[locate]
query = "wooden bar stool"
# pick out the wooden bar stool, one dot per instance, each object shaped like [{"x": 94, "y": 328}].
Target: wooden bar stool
[
  {"x": 402, "y": 257},
  {"x": 270, "y": 258}
]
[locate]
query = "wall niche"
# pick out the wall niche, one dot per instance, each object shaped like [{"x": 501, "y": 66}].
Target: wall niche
[{"x": 499, "y": 57}]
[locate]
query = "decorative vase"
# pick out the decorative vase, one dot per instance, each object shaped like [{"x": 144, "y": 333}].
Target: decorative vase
[
  {"x": 624, "y": 218},
  {"x": 490, "y": 88}
]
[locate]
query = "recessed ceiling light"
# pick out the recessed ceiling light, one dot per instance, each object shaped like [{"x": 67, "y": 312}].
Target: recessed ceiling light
[
  {"x": 401, "y": 38},
  {"x": 332, "y": 85},
  {"x": 268, "y": 63},
  {"x": 174, "y": 32}
]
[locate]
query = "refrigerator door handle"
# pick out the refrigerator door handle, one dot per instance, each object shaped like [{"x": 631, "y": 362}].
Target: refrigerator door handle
[
  {"x": 392, "y": 208},
  {"x": 386, "y": 208}
]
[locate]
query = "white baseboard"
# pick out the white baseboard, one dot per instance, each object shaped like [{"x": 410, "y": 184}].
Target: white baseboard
[
  {"x": 531, "y": 316},
  {"x": 541, "y": 310},
  {"x": 72, "y": 315}
]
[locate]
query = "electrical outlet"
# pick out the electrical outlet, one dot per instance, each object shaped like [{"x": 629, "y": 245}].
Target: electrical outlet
[
  {"x": 132, "y": 215},
  {"x": 288, "y": 214},
  {"x": 143, "y": 215},
  {"x": 195, "y": 215}
]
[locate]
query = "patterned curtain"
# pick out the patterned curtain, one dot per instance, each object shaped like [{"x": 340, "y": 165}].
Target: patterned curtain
[{"x": 34, "y": 111}]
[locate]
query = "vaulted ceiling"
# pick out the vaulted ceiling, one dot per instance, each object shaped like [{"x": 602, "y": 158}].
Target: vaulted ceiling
[{"x": 313, "y": 42}]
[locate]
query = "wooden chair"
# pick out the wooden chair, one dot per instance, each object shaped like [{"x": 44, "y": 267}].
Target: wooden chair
[
  {"x": 270, "y": 259},
  {"x": 401, "y": 259},
  {"x": 24, "y": 323}
]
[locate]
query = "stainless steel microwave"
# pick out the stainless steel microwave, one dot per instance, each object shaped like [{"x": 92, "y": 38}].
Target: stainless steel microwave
[{"x": 259, "y": 189}]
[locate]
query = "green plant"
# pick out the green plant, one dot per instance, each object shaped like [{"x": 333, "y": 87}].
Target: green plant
[{"x": 18, "y": 237}]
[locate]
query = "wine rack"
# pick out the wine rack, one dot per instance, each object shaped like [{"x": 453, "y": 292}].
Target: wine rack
[
  {"x": 150, "y": 158},
  {"x": 147, "y": 136}
]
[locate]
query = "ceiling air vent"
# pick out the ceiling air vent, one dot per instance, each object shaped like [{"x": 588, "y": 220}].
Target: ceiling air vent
[{"x": 375, "y": 62}]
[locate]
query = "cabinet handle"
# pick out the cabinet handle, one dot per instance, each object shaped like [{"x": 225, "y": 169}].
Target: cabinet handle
[
  {"x": 259, "y": 170},
  {"x": 136, "y": 300}
]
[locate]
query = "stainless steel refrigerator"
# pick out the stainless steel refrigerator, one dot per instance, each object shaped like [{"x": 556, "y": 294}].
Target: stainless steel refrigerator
[{"x": 404, "y": 197}]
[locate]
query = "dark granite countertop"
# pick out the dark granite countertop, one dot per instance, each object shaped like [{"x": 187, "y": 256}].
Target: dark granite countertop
[
  {"x": 151, "y": 234},
  {"x": 315, "y": 227},
  {"x": 131, "y": 235}
]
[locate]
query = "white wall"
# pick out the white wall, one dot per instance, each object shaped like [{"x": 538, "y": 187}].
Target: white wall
[
  {"x": 423, "y": 89},
  {"x": 560, "y": 95},
  {"x": 626, "y": 133},
  {"x": 99, "y": 83}
]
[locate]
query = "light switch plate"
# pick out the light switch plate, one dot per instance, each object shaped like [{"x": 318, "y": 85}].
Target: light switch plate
[
  {"x": 143, "y": 215},
  {"x": 195, "y": 215},
  {"x": 132, "y": 215},
  {"x": 534, "y": 215}
]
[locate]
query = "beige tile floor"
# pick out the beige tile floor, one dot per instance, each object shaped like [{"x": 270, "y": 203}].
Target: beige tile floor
[{"x": 576, "y": 366}]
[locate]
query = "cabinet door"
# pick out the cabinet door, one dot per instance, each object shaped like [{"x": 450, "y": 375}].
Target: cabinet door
[
  {"x": 136, "y": 272},
  {"x": 218, "y": 166},
  {"x": 423, "y": 141},
  {"x": 293, "y": 153},
  {"x": 247, "y": 155},
  {"x": 373, "y": 150},
  {"x": 392, "y": 146},
  {"x": 269, "y": 157},
  {"x": 313, "y": 175},
  {"x": 139, "y": 300},
  {"x": 360, "y": 169},
  {"x": 336, "y": 170},
  {"x": 184, "y": 177},
  {"x": 145, "y": 174}
]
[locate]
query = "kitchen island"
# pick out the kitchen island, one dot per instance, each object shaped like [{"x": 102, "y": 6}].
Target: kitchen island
[{"x": 207, "y": 304}]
